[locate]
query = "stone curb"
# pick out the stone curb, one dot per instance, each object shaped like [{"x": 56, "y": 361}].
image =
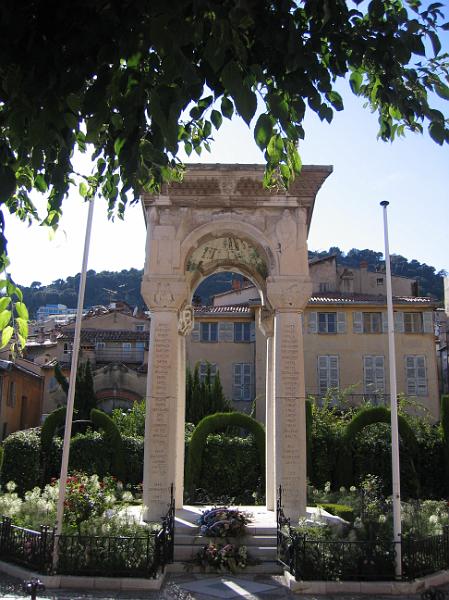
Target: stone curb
[{"x": 84, "y": 583}]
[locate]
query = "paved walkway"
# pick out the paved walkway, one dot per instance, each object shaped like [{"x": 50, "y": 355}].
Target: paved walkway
[{"x": 192, "y": 587}]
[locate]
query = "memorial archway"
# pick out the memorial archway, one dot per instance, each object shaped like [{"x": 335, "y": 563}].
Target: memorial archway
[{"x": 221, "y": 218}]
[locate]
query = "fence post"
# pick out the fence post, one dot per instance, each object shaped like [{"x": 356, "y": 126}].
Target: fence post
[
  {"x": 446, "y": 544},
  {"x": 5, "y": 536}
]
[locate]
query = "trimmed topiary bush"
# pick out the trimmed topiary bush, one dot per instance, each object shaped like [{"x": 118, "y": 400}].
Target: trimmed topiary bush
[
  {"x": 365, "y": 417},
  {"x": 133, "y": 451},
  {"x": 112, "y": 436},
  {"x": 91, "y": 454},
  {"x": 52, "y": 423},
  {"x": 21, "y": 459},
  {"x": 231, "y": 470},
  {"x": 211, "y": 424}
]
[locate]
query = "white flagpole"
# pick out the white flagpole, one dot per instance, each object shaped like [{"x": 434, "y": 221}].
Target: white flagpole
[
  {"x": 393, "y": 408},
  {"x": 72, "y": 385}
]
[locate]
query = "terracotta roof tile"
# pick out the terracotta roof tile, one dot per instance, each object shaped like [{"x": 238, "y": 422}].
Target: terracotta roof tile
[
  {"x": 239, "y": 309},
  {"x": 339, "y": 298}
]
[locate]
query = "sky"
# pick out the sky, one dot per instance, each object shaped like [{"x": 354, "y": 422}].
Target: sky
[{"x": 412, "y": 174}]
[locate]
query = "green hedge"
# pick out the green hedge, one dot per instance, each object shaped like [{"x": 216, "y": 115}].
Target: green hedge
[
  {"x": 21, "y": 459},
  {"x": 445, "y": 435},
  {"x": 112, "y": 436},
  {"x": 339, "y": 510},
  {"x": 91, "y": 453},
  {"x": 211, "y": 424},
  {"x": 133, "y": 451},
  {"x": 231, "y": 470}
]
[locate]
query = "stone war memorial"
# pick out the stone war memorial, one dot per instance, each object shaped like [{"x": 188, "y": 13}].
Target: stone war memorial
[{"x": 220, "y": 218}]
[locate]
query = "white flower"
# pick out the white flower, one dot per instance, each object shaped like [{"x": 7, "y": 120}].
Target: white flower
[
  {"x": 11, "y": 486},
  {"x": 342, "y": 489},
  {"x": 352, "y": 489}
]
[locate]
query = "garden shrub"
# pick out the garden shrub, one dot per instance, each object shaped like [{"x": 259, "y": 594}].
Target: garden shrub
[
  {"x": 231, "y": 469},
  {"x": 54, "y": 421},
  {"x": 131, "y": 422},
  {"x": 374, "y": 448},
  {"x": 133, "y": 451},
  {"x": 21, "y": 459},
  {"x": 211, "y": 424},
  {"x": 112, "y": 436},
  {"x": 90, "y": 453},
  {"x": 339, "y": 510}
]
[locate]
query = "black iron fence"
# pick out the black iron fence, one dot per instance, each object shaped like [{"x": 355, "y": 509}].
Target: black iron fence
[
  {"x": 344, "y": 560},
  {"x": 107, "y": 556}
]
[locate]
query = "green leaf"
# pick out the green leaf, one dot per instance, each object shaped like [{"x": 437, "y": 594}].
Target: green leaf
[
  {"x": 442, "y": 90},
  {"x": 437, "y": 132},
  {"x": 40, "y": 183},
  {"x": 275, "y": 148},
  {"x": 22, "y": 310},
  {"x": 118, "y": 145},
  {"x": 227, "y": 108},
  {"x": 5, "y": 318},
  {"x": 71, "y": 120},
  {"x": 355, "y": 81},
  {"x": 436, "y": 44},
  {"x": 4, "y": 302},
  {"x": 216, "y": 118},
  {"x": 83, "y": 189},
  {"x": 263, "y": 130},
  {"x": 336, "y": 100},
  {"x": 246, "y": 103},
  {"x": 296, "y": 161},
  {"x": 7, "y": 334},
  {"x": 22, "y": 325}
]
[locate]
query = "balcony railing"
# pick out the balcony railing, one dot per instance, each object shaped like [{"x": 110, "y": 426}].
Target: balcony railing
[{"x": 109, "y": 355}]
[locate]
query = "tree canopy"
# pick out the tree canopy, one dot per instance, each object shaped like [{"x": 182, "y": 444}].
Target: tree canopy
[{"x": 131, "y": 82}]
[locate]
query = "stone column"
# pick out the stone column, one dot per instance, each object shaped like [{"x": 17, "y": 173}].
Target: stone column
[
  {"x": 163, "y": 397},
  {"x": 289, "y": 296},
  {"x": 266, "y": 324}
]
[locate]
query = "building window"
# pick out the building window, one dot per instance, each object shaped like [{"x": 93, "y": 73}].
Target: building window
[
  {"x": 204, "y": 366},
  {"x": 372, "y": 322},
  {"x": 140, "y": 327},
  {"x": 324, "y": 286},
  {"x": 11, "y": 400},
  {"x": 380, "y": 281},
  {"x": 327, "y": 322},
  {"x": 209, "y": 332},
  {"x": 416, "y": 375},
  {"x": 328, "y": 373},
  {"x": 67, "y": 348},
  {"x": 373, "y": 375},
  {"x": 242, "y": 332},
  {"x": 242, "y": 381},
  {"x": 413, "y": 322},
  {"x": 126, "y": 347},
  {"x": 100, "y": 345}
]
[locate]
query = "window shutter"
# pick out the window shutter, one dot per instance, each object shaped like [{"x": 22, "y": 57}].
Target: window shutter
[
  {"x": 421, "y": 376},
  {"x": 341, "y": 322},
  {"x": 196, "y": 332},
  {"x": 252, "y": 332},
  {"x": 410, "y": 375},
  {"x": 357, "y": 322},
  {"x": 384, "y": 322},
  {"x": 225, "y": 332},
  {"x": 379, "y": 374},
  {"x": 368, "y": 373},
  {"x": 333, "y": 372},
  {"x": 322, "y": 374},
  {"x": 313, "y": 322},
  {"x": 398, "y": 322},
  {"x": 427, "y": 318}
]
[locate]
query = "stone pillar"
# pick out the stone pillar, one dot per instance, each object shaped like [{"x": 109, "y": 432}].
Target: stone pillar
[
  {"x": 266, "y": 324},
  {"x": 289, "y": 296},
  {"x": 164, "y": 399}
]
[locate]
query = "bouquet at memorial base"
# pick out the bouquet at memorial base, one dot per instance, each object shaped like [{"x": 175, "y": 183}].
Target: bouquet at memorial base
[
  {"x": 223, "y": 522},
  {"x": 222, "y": 557}
]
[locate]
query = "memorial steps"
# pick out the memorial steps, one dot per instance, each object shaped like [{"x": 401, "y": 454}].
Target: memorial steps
[{"x": 260, "y": 540}]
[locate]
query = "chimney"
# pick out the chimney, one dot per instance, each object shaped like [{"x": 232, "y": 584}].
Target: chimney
[{"x": 40, "y": 336}]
